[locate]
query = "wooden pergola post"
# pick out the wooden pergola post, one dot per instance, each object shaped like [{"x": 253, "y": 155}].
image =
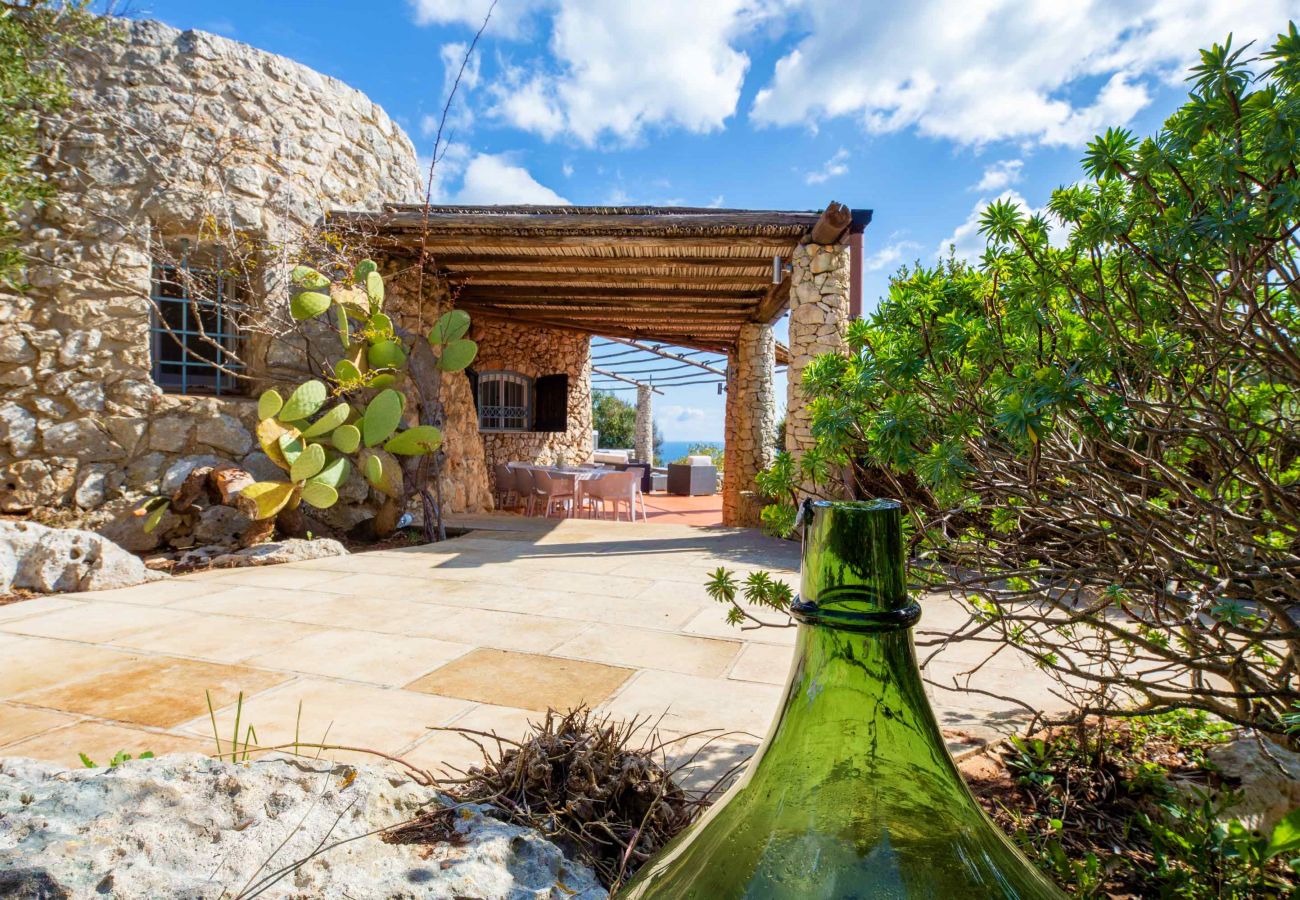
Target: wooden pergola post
[{"x": 751, "y": 423}]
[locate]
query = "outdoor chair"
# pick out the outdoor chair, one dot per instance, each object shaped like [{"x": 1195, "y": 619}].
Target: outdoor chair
[
  {"x": 506, "y": 493},
  {"x": 525, "y": 490},
  {"x": 556, "y": 490},
  {"x": 616, "y": 489}
]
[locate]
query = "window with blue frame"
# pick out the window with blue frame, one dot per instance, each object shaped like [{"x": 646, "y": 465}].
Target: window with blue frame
[{"x": 193, "y": 338}]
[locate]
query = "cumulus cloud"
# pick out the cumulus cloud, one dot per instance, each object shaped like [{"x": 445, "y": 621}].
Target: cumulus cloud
[
  {"x": 682, "y": 413},
  {"x": 510, "y": 18},
  {"x": 999, "y": 175},
  {"x": 888, "y": 256},
  {"x": 834, "y": 167},
  {"x": 493, "y": 178},
  {"x": 967, "y": 243},
  {"x": 1036, "y": 71}
]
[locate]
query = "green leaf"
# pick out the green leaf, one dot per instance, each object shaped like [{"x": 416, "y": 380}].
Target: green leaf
[
  {"x": 341, "y": 323},
  {"x": 155, "y": 516},
  {"x": 328, "y": 422},
  {"x": 347, "y": 438},
  {"x": 269, "y": 496},
  {"x": 308, "y": 305},
  {"x": 450, "y": 326},
  {"x": 363, "y": 269},
  {"x": 335, "y": 472},
  {"x": 308, "y": 463},
  {"x": 1286, "y": 835},
  {"x": 88, "y": 762},
  {"x": 269, "y": 434},
  {"x": 269, "y": 404},
  {"x": 381, "y": 327},
  {"x": 415, "y": 441},
  {"x": 386, "y": 355},
  {"x": 375, "y": 289},
  {"x": 346, "y": 373},
  {"x": 304, "y": 401},
  {"x": 319, "y": 494},
  {"x": 309, "y": 278},
  {"x": 383, "y": 380},
  {"x": 291, "y": 447},
  {"x": 383, "y": 414},
  {"x": 384, "y": 473},
  {"x": 457, "y": 355}
]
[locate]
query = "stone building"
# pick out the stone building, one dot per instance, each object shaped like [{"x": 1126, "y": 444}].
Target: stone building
[{"x": 188, "y": 159}]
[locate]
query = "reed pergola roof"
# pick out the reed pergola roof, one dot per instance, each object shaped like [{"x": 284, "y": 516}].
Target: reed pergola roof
[{"x": 681, "y": 275}]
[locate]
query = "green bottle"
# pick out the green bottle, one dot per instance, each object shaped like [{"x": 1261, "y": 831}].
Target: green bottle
[{"x": 853, "y": 793}]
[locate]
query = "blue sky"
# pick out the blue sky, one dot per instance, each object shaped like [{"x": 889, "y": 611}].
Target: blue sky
[{"x": 922, "y": 112}]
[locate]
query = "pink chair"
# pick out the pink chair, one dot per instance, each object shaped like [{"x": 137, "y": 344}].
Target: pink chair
[
  {"x": 555, "y": 489},
  {"x": 617, "y": 488}
]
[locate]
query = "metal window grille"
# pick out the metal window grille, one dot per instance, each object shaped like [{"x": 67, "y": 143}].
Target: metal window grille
[
  {"x": 504, "y": 399},
  {"x": 193, "y": 338}
]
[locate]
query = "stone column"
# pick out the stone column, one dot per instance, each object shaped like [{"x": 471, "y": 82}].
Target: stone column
[
  {"x": 751, "y": 422},
  {"x": 645, "y": 424},
  {"x": 819, "y": 313}
]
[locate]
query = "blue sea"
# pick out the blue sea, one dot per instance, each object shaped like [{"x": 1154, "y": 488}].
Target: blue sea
[{"x": 675, "y": 450}]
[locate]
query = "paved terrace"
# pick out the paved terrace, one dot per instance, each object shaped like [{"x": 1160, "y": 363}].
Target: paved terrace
[{"x": 482, "y": 632}]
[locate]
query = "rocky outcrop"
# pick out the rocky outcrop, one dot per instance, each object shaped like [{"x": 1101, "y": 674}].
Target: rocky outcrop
[
  {"x": 57, "y": 560},
  {"x": 219, "y": 556},
  {"x": 189, "y": 826}
]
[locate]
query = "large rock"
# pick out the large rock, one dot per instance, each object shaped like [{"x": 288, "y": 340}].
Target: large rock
[
  {"x": 29, "y": 483},
  {"x": 1269, "y": 776},
  {"x": 189, "y": 826},
  {"x": 224, "y": 433},
  {"x": 68, "y": 559},
  {"x": 276, "y": 552}
]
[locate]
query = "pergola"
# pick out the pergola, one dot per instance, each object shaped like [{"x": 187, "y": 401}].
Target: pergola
[{"x": 702, "y": 279}]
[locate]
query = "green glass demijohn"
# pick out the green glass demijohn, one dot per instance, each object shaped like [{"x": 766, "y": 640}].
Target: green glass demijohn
[{"x": 853, "y": 793}]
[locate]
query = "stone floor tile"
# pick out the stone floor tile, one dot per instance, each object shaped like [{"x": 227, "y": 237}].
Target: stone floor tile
[
  {"x": 386, "y": 659},
  {"x": 383, "y": 611},
  {"x": 700, "y": 762},
  {"x": 21, "y": 609},
  {"x": 19, "y": 722},
  {"x": 523, "y": 680},
  {"x": 686, "y": 703},
  {"x": 712, "y": 622},
  {"x": 289, "y": 576},
  {"x": 96, "y": 622},
  {"x": 252, "y": 602},
  {"x": 101, "y": 741},
  {"x": 647, "y": 649},
  {"x": 582, "y": 583},
  {"x": 354, "y": 715},
  {"x": 490, "y": 628},
  {"x": 36, "y": 663},
  {"x": 445, "y": 751},
  {"x": 160, "y": 691},
  {"x": 156, "y": 593},
  {"x": 228, "y": 639},
  {"x": 766, "y": 663}
]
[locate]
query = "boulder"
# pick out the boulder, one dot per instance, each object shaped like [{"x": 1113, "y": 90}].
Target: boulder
[
  {"x": 8, "y": 569},
  {"x": 29, "y": 483},
  {"x": 225, "y": 433},
  {"x": 275, "y": 552},
  {"x": 68, "y": 559},
  {"x": 178, "y": 471},
  {"x": 221, "y": 525},
  {"x": 190, "y": 826},
  {"x": 1270, "y": 780},
  {"x": 117, "y": 522}
]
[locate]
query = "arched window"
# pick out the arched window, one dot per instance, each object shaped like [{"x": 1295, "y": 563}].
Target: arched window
[{"x": 504, "y": 401}]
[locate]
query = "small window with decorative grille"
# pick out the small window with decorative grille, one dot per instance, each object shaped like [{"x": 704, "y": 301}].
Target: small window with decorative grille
[
  {"x": 193, "y": 338},
  {"x": 504, "y": 401}
]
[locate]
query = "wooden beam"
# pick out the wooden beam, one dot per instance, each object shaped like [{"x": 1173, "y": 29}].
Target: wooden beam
[
  {"x": 832, "y": 224},
  {"x": 527, "y": 261},
  {"x": 690, "y": 341},
  {"x": 573, "y": 293},
  {"x": 624, "y": 315},
  {"x": 617, "y": 377},
  {"x": 461, "y": 242},
  {"x": 595, "y": 279},
  {"x": 774, "y": 303},
  {"x": 666, "y": 355},
  {"x": 670, "y": 303},
  {"x": 486, "y": 219}
]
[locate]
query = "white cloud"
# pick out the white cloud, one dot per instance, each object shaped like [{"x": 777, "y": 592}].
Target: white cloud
[
  {"x": 616, "y": 69},
  {"x": 510, "y": 18},
  {"x": 967, "y": 243},
  {"x": 888, "y": 256},
  {"x": 716, "y": 202},
  {"x": 682, "y": 413},
  {"x": 834, "y": 167},
  {"x": 567, "y": 169},
  {"x": 453, "y": 57},
  {"x": 975, "y": 71},
  {"x": 495, "y": 179},
  {"x": 999, "y": 175}
]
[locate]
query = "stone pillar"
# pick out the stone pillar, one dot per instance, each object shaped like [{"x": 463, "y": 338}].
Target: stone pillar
[
  {"x": 819, "y": 313},
  {"x": 645, "y": 424},
  {"x": 751, "y": 423}
]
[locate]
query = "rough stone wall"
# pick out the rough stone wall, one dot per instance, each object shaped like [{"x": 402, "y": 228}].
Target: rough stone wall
[
  {"x": 645, "y": 423},
  {"x": 166, "y": 128},
  {"x": 533, "y": 351},
  {"x": 751, "y": 423},
  {"x": 819, "y": 313}
]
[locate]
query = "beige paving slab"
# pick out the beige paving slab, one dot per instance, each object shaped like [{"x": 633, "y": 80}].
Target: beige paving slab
[
  {"x": 449, "y": 750},
  {"x": 333, "y": 712},
  {"x": 96, "y": 622},
  {"x": 647, "y": 649},
  {"x": 22, "y": 609},
  {"x": 583, "y": 583},
  {"x": 157, "y": 593},
  {"x": 289, "y": 576},
  {"x": 386, "y": 659},
  {"x": 686, "y": 703},
  {"x": 100, "y": 741},
  {"x": 252, "y": 602},
  {"x": 158, "y": 691},
  {"x": 490, "y": 628},
  {"x": 18, "y": 722},
  {"x": 228, "y": 639},
  {"x": 524, "y": 680},
  {"x": 666, "y": 611},
  {"x": 765, "y": 663},
  {"x": 383, "y": 610},
  {"x": 31, "y": 663}
]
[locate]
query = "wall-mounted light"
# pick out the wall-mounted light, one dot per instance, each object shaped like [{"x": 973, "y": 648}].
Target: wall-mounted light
[{"x": 779, "y": 268}]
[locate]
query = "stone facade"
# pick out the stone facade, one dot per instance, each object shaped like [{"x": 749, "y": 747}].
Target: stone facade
[
  {"x": 533, "y": 352},
  {"x": 170, "y": 134},
  {"x": 751, "y": 425},
  {"x": 819, "y": 313}
]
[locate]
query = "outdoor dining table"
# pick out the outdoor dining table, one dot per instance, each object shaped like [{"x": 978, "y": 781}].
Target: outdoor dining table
[{"x": 579, "y": 474}]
